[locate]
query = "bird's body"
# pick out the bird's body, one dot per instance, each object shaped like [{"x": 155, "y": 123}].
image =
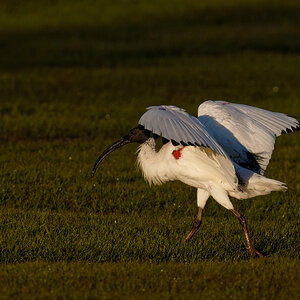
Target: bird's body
[
  {"x": 224, "y": 152},
  {"x": 203, "y": 169}
]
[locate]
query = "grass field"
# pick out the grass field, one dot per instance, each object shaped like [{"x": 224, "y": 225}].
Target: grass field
[{"x": 77, "y": 75}]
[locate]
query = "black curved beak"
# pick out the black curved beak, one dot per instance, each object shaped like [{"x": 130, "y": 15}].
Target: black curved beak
[
  {"x": 135, "y": 135},
  {"x": 119, "y": 143}
]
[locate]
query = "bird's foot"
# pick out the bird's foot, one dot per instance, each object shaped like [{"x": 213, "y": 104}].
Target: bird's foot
[
  {"x": 188, "y": 236},
  {"x": 193, "y": 230},
  {"x": 253, "y": 253}
]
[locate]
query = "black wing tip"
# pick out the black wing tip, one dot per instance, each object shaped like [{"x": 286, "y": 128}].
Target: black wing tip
[
  {"x": 165, "y": 141},
  {"x": 195, "y": 144},
  {"x": 174, "y": 143},
  {"x": 296, "y": 128},
  {"x": 292, "y": 129}
]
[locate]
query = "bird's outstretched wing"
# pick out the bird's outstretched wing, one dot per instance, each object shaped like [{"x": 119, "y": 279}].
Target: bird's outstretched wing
[
  {"x": 179, "y": 127},
  {"x": 245, "y": 132}
]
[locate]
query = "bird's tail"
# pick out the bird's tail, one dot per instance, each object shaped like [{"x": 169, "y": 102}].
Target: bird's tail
[
  {"x": 259, "y": 185},
  {"x": 252, "y": 184}
]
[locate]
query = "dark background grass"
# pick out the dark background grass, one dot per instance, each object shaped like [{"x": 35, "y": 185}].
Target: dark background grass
[{"x": 77, "y": 75}]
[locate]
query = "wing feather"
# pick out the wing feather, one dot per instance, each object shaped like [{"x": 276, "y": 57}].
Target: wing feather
[
  {"x": 276, "y": 122},
  {"x": 191, "y": 134},
  {"x": 176, "y": 124},
  {"x": 245, "y": 132}
]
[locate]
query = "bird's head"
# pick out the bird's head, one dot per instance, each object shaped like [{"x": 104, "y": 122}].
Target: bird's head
[{"x": 135, "y": 135}]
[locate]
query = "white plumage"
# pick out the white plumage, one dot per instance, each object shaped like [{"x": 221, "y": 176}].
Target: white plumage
[
  {"x": 224, "y": 152},
  {"x": 235, "y": 143},
  {"x": 245, "y": 132},
  {"x": 174, "y": 123}
]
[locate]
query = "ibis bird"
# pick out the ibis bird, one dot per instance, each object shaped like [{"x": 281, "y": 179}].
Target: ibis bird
[{"x": 223, "y": 153}]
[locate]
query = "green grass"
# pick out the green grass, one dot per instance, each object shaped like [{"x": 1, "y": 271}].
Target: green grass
[
  {"x": 263, "y": 279},
  {"x": 77, "y": 75}
]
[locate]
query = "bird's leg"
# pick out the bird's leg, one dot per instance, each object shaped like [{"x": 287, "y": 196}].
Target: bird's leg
[
  {"x": 195, "y": 226},
  {"x": 253, "y": 253}
]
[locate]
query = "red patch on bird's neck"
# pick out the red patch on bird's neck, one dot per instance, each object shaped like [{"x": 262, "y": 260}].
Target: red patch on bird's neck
[{"x": 176, "y": 153}]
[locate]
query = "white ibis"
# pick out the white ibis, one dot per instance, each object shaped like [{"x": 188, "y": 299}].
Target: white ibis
[{"x": 224, "y": 152}]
